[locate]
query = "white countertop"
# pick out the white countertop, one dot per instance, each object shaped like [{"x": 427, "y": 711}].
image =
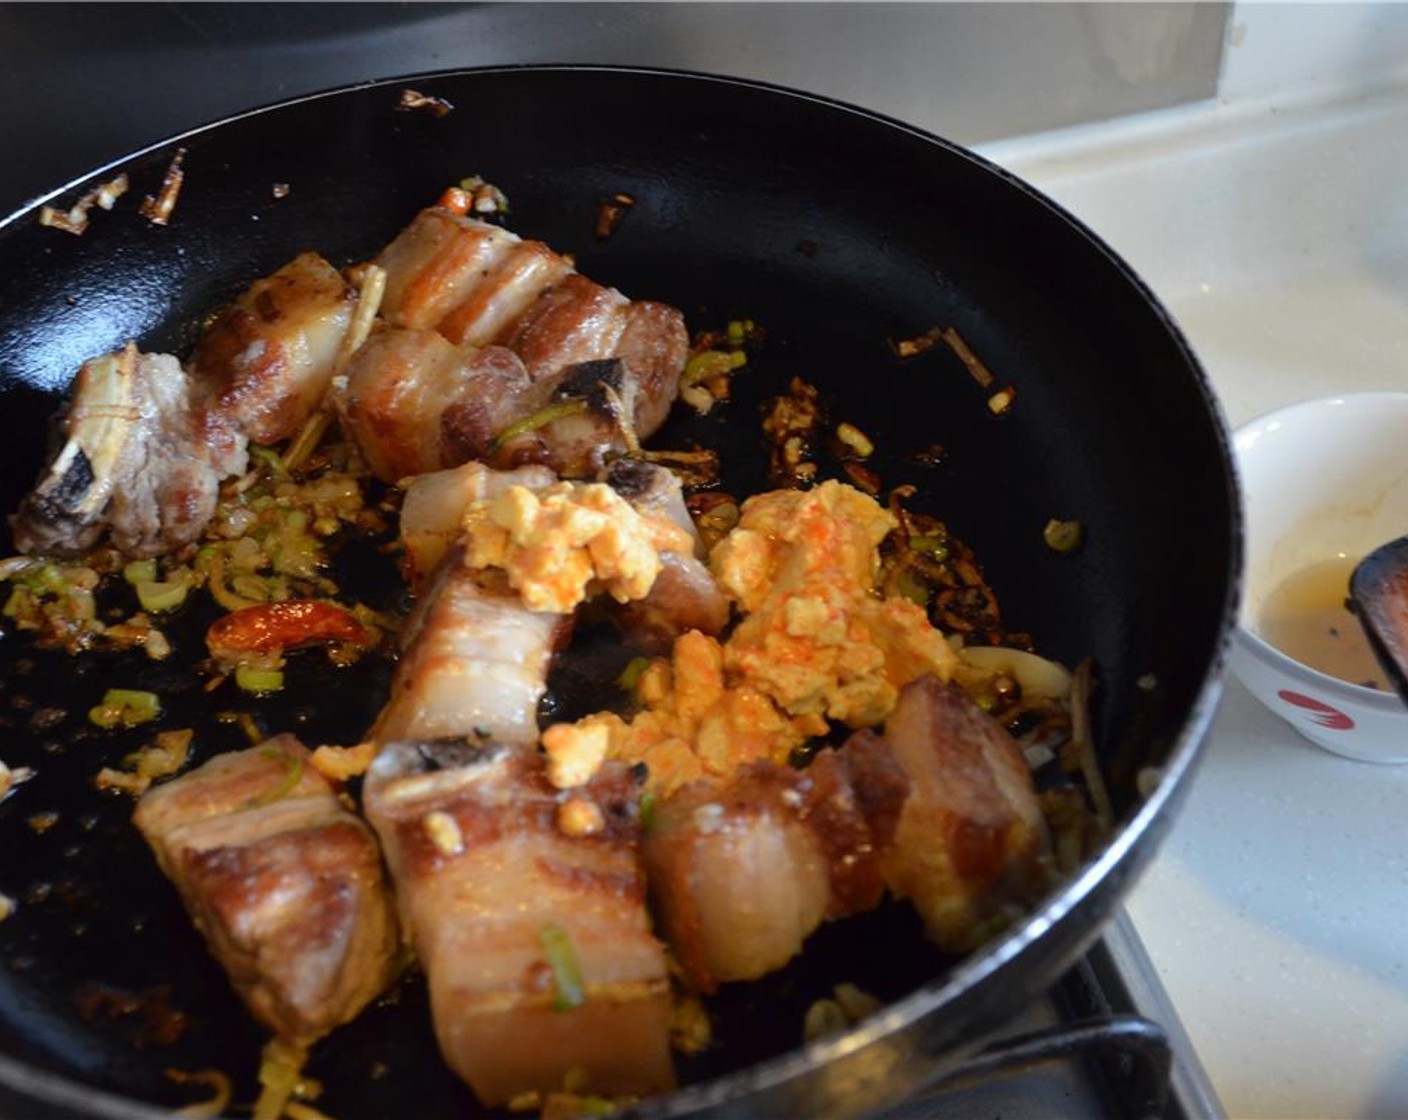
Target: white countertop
[{"x": 1277, "y": 911}]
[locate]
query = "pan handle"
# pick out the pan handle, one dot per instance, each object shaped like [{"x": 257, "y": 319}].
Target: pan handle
[{"x": 1132, "y": 1051}]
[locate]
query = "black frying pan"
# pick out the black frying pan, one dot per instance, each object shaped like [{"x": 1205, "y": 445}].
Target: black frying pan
[{"x": 835, "y": 229}]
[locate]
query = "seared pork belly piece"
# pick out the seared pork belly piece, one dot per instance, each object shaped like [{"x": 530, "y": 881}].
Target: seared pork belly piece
[
  {"x": 413, "y": 403},
  {"x": 468, "y": 279},
  {"x": 526, "y": 908},
  {"x": 267, "y": 359},
  {"x": 585, "y": 415},
  {"x": 284, "y": 882},
  {"x": 685, "y": 595},
  {"x": 577, "y": 321},
  {"x": 742, "y": 874},
  {"x": 416, "y": 403},
  {"x": 141, "y": 458},
  {"x": 146, "y": 445},
  {"x": 432, "y": 511},
  {"x": 603, "y": 370},
  {"x": 476, "y": 661},
  {"x": 970, "y": 839}
]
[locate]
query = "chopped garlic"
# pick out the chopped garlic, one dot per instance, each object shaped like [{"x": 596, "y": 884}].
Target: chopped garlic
[
  {"x": 529, "y": 1100},
  {"x": 690, "y": 1029},
  {"x": 162, "y": 758},
  {"x": 579, "y": 817},
  {"x": 11, "y": 778},
  {"x": 575, "y": 752},
  {"x": 855, "y": 439},
  {"x": 444, "y": 833},
  {"x": 855, "y": 1002},
  {"x": 824, "y": 1018},
  {"x": 341, "y": 763}
]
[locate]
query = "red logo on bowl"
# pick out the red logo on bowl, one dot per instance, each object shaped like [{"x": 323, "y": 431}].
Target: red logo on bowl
[{"x": 1321, "y": 713}]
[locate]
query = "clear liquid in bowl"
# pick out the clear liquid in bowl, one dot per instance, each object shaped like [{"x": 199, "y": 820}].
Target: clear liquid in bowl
[{"x": 1307, "y": 619}]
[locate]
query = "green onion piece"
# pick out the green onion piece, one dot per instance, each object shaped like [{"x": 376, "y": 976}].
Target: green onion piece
[
  {"x": 647, "y": 811},
  {"x": 566, "y": 969},
  {"x": 540, "y": 419},
  {"x": 932, "y": 545},
  {"x": 630, "y": 675},
  {"x": 1063, "y": 536},
  {"x": 251, "y": 729},
  {"x": 251, "y": 678},
  {"x": 125, "y": 707},
  {"x": 910, "y": 587},
  {"x": 270, "y": 458},
  {"x": 222, "y": 594},
  {"x": 293, "y": 774},
  {"x": 44, "y": 579},
  {"x": 139, "y": 571},
  {"x": 708, "y": 363},
  {"x": 161, "y": 596},
  {"x": 254, "y": 589},
  {"x": 307, "y": 439},
  {"x": 736, "y": 332}
]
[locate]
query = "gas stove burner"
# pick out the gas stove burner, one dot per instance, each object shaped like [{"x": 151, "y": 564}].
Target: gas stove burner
[{"x": 1103, "y": 1043}]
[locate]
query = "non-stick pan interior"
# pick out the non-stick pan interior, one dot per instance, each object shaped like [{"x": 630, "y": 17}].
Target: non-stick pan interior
[{"x": 838, "y": 233}]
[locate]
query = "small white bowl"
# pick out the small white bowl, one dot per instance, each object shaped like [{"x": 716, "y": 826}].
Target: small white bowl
[{"x": 1323, "y": 479}]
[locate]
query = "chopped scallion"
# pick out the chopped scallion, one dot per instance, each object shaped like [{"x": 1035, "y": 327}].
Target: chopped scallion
[
  {"x": 630, "y": 675},
  {"x": 1063, "y": 536},
  {"x": 293, "y": 774},
  {"x": 252, "y": 678},
  {"x": 157, "y": 595},
  {"x": 561, "y": 955},
  {"x": 540, "y": 419},
  {"x": 125, "y": 707},
  {"x": 139, "y": 571}
]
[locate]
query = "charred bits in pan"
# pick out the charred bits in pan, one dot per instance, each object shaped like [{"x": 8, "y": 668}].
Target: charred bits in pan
[
  {"x": 999, "y": 401},
  {"x": 412, "y": 100},
  {"x": 158, "y": 209}
]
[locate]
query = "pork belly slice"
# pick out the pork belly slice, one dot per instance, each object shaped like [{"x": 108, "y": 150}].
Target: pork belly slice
[
  {"x": 267, "y": 359},
  {"x": 284, "y": 882},
  {"x": 685, "y": 596},
  {"x": 468, "y": 279},
  {"x": 145, "y": 446},
  {"x": 741, "y": 875},
  {"x": 139, "y": 457},
  {"x": 526, "y": 908},
  {"x": 432, "y": 511},
  {"x": 573, "y": 321},
  {"x": 971, "y": 837},
  {"x": 478, "y": 285},
  {"x": 476, "y": 661},
  {"x": 416, "y": 403},
  {"x": 619, "y": 362}
]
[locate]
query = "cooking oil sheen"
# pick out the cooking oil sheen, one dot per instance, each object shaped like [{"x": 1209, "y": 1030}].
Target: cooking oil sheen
[{"x": 1307, "y": 619}]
